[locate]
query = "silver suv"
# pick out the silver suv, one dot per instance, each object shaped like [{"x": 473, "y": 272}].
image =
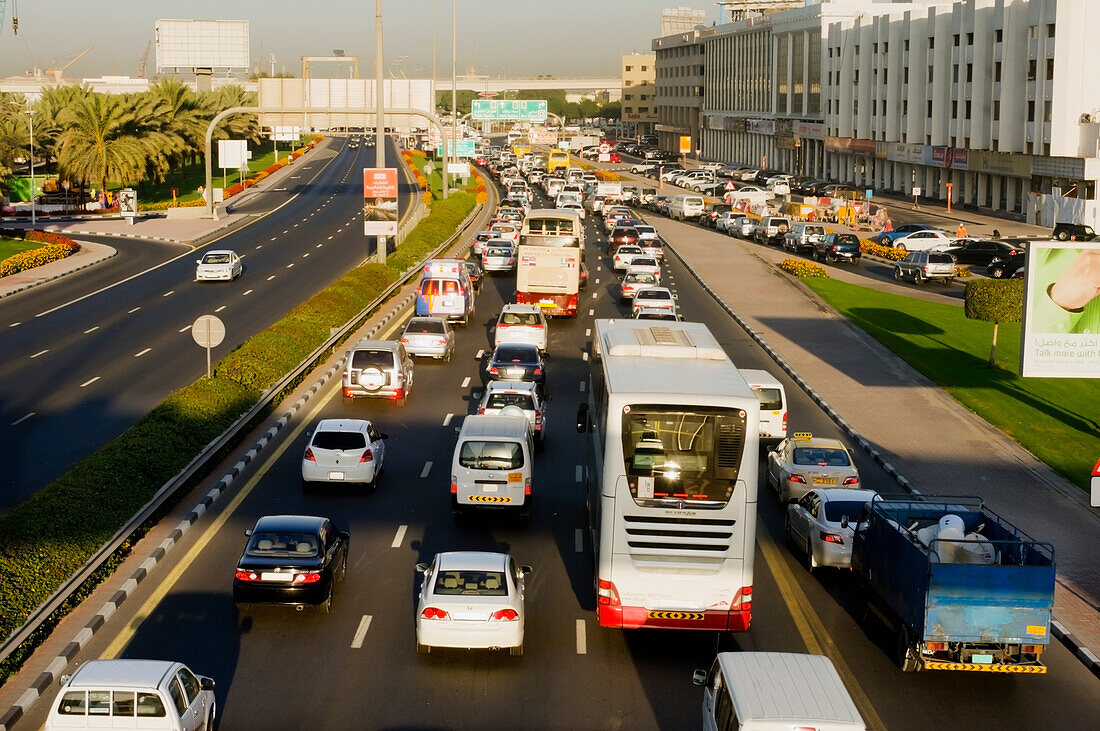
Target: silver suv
[
  {"x": 378, "y": 369},
  {"x": 921, "y": 266},
  {"x": 771, "y": 230}
]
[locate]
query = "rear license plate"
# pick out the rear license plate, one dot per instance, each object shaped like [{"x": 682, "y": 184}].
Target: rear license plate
[
  {"x": 489, "y": 488},
  {"x": 271, "y": 576},
  {"x": 468, "y": 616},
  {"x": 982, "y": 659},
  {"x": 516, "y": 372},
  {"x": 825, "y": 480},
  {"x": 336, "y": 475}
]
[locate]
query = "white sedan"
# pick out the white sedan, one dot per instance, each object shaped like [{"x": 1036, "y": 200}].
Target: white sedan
[
  {"x": 217, "y": 265},
  {"x": 822, "y": 524},
  {"x": 654, "y": 298},
  {"x": 924, "y": 241},
  {"x": 804, "y": 462},
  {"x": 344, "y": 451},
  {"x": 471, "y": 599}
]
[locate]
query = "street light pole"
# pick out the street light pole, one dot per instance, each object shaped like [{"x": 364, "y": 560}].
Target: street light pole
[
  {"x": 30, "y": 116},
  {"x": 454, "y": 94},
  {"x": 380, "y": 112}
]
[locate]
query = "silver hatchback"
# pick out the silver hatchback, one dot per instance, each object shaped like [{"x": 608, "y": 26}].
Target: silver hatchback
[{"x": 430, "y": 337}]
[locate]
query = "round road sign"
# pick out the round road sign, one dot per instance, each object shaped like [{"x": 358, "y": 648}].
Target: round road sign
[{"x": 208, "y": 331}]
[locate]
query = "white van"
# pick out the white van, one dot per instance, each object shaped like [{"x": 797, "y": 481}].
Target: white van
[
  {"x": 493, "y": 463},
  {"x": 133, "y": 694},
  {"x": 683, "y": 207},
  {"x": 773, "y": 406},
  {"x": 750, "y": 691}
]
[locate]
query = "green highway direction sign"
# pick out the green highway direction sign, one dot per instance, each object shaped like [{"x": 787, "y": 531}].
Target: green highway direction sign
[
  {"x": 519, "y": 110},
  {"x": 463, "y": 148}
]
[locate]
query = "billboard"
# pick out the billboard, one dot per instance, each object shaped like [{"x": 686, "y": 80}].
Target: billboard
[
  {"x": 520, "y": 110},
  {"x": 380, "y": 201},
  {"x": 202, "y": 44},
  {"x": 1060, "y": 334},
  {"x": 233, "y": 154},
  {"x": 340, "y": 94}
]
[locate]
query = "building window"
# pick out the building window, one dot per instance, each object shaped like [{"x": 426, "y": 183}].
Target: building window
[
  {"x": 905, "y": 75},
  {"x": 968, "y": 109},
  {"x": 643, "y": 68},
  {"x": 929, "y": 74},
  {"x": 929, "y": 115},
  {"x": 1050, "y": 69},
  {"x": 970, "y": 39},
  {"x": 931, "y": 43},
  {"x": 955, "y": 73},
  {"x": 1050, "y": 30},
  {"x": 1031, "y": 111},
  {"x": 628, "y": 97},
  {"x": 954, "y": 109},
  {"x": 1047, "y": 110},
  {"x": 996, "y": 110},
  {"x": 629, "y": 69},
  {"x": 999, "y": 35},
  {"x": 905, "y": 107},
  {"x": 906, "y": 46},
  {"x": 969, "y": 73},
  {"x": 955, "y": 40},
  {"x": 997, "y": 72},
  {"x": 1032, "y": 67}
]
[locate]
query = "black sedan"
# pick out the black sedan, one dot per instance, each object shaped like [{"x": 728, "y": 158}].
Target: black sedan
[
  {"x": 1005, "y": 268},
  {"x": 474, "y": 270},
  {"x": 294, "y": 560},
  {"x": 517, "y": 362},
  {"x": 982, "y": 252}
]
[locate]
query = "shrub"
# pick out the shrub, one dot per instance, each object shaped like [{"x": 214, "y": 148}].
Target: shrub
[
  {"x": 867, "y": 246},
  {"x": 56, "y": 247},
  {"x": 996, "y": 301},
  {"x": 803, "y": 268}
]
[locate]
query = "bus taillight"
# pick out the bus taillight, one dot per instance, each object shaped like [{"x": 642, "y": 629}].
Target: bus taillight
[{"x": 607, "y": 594}]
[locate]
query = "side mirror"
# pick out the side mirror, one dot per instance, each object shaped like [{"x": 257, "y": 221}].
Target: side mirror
[
  {"x": 198, "y": 261},
  {"x": 422, "y": 567},
  {"x": 248, "y": 532},
  {"x": 844, "y": 521},
  {"x": 582, "y": 418},
  {"x": 458, "y": 430},
  {"x": 64, "y": 680},
  {"x": 206, "y": 683},
  {"x": 699, "y": 677},
  {"x": 526, "y": 570},
  {"x": 383, "y": 435}
]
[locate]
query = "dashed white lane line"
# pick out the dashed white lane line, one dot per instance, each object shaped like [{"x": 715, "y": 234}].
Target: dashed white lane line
[
  {"x": 591, "y": 312},
  {"x": 361, "y": 632},
  {"x": 578, "y": 473},
  {"x": 89, "y": 382},
  {"x": 584, "y": 355},
  {"x": 305, "y": 255},
  {"x": 597, "y": 280},
  {"x": 427, "y": 468},
  {"x": 273, "y": 238},
  {"x": 594, "y": 294},
  {"x": 582, "y": 639},
  {"x": 466, "y": 382},
  {"x": 138, "y": 355},
  {"x": 246, "y": 292},
  {"x": 220, "y": 308},
  {"x": 91, "y": 329},
  {"x": 588, "y": 332},
  {"x": 271, "y": 277},
  {"x": 480, "y": 354},
  {"x": 288, "y": 266},
  {"x": 578, "y": 540},
  {"x": 184, "y": 329},
  {"x": 169, "y": 293},
  {"x": 134, "y": 310},
  {"x": 447, "y": 419},
  {"x": 319, "y": 245},
  {"x": 330, "y": 238},
  {"x": 21, "y": 419},
  {"x": 14, "y": 324},
  {"x": 259, "y": 247},
  {"x": 41, "y": 352},
  {"x": 582, "y": 384},
  {"x": 286, "y": 230},
  {"x": 296, "y": 225},
  {"x": 399, "y": 536}
]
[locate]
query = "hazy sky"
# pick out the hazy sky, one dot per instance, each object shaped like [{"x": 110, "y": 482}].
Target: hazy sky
[{"x": 503, "y": 38}]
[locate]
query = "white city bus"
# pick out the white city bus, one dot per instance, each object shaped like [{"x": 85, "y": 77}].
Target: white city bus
[
  {"x": 671, "y": 478},
  {"x": 548, "y": 262}
]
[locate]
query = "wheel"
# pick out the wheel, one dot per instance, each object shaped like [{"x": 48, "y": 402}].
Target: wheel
[
  {"x": 997, "y": 272},
  {"x": 447, "y": 356},
  {"x": 947, "y": 281},
  {"x": 515, "y": 650},
  {"x": 918, "y": 278},
  {"x": 1063, "y": 236},
  {"x": 343, "y": 572},
  {"x": 897, "y": 274},
  {"x": 326, "y": 605},
  {"x": 901, "y": 247},
  {"x": 212, "y": 717},
  {"x": 423, "y": 649},
  {"x": 811, "y": 562},
  {"x": 904, "y": 655},
  {"x": 884, "y": 241}
]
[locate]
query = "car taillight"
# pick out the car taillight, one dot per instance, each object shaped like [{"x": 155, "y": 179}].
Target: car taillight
[
  {"x": 494, "y": 370},
  {"x": 538, "y": 371},
  {"x": 433, "y": 613},
  {"x": 607, "y": 594},
  {"x": 507, "y": 615},
  {"x": 454, "y": 485},
  {"x": 442, "y": 341},
  {"x": 797, "y": 478},
  {"x": 309, "y": 455},
  {"x": 851, "y": 480},
  {"x": 243, "y": 575},
  {"x": 527, "y": 486},
  {"x": 405, "y": 340},
  {"x": 347, "y": 392},
  {"x": 784, "y": 421},
  {"x": 399, "y": 394},
  {"x": 831, "y": 537},
  {"x": 368, "y": 456},
  {"x": 481, "y": 410},
  {"x": 307, "y": 577},
  {"x": 1031, "y": 649},
  {"x": 538, "y": 417}
]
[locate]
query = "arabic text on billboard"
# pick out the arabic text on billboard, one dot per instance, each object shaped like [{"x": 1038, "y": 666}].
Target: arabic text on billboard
[{"x": 380, "y": 201}]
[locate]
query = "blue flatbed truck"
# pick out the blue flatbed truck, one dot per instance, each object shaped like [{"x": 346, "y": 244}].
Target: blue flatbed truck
[{"x": 982, "y": 603}]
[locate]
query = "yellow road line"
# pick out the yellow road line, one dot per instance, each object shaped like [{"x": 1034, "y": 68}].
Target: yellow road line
[
  {"x": 123, "y": 638},
  {"x": 814, "y": 634}
]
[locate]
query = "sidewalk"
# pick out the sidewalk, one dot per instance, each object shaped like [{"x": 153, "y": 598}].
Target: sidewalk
[{"x": 937, "y": 447}]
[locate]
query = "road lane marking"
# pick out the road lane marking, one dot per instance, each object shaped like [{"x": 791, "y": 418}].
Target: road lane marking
[
  {"x": 330, "y": 238},
  {"x": 134, "y": 310},
  {"x": 89, "y": 382},
  {"x": 157, "y": 596},
  {"x": 169, "y": 293},
  {"x": 447, "y": 419},
  {"x": 271, "y": 277},
  {"x": 274, "y": 238},
  {"x": 41, "y": 352},
  {"x": 594, "y": 295},
  {"x": 480, "y": 354},
  {"x": 582, "y": 386},
  {"x": 427, "y": 468},
  {"x": 286, "y": 230},
  {"x": 809, "y": 625},
  {"x": 138, "y": 355},
  {"x": 588, "y": 332},
  {"x": 397, "y": 539},
  {"x": 591, "y": 312},
  {"x": 578, "y": 540},
  {"x": 14, "y": 324},
  {"x": 361, "y": 632},
  {"x": 246, "y": 293},
  {"x": 597, "y": 280},
  {"x": 21, "y": 419},
  {"x": 578, "y": 473},
  {"x": 582, "y": 640},
  {"x": 466, "y": 382},
  {"x": 288, "y": 266},
  {"x": 259, "y": 247},
  {"x": 220, "y": 308},
  {"x": 184, "y": 329},
  {"x": 305, "y": 255},
  {"x": 319, "y": 245},
  {"x": 584, "y": 355}
]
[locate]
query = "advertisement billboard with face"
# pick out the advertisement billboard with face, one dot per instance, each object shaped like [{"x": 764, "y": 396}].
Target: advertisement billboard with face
[
  {"x": 1060, "y": 334},
  {"x": 380, "y": 201}
]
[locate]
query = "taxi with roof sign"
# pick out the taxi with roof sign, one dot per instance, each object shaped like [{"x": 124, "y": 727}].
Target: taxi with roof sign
[{"x": 804, "y": 462}]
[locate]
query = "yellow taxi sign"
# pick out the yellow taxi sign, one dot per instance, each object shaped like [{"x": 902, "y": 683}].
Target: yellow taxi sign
[{"x": 802, "y": 435}]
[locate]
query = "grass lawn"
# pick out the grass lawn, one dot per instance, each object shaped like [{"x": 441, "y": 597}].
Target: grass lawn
[
  {"x": 10, "y": 247},
  {"x": 1056, "y": 419}
]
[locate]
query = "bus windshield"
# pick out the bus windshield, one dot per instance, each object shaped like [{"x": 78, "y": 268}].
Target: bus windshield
[{"x": 682, "y": 455}]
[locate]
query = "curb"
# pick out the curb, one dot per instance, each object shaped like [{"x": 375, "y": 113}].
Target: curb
[
  {"x": 31, "y": 285},
  {"x": 1068, "y": 639}
]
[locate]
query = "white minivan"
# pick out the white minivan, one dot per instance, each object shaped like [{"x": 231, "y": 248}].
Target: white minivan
[
  {"x": 493, "y": 463},
  {"x": 133, "y": 694},
  {"x": 684, "y": 207},
  {"x": 773, "y": 406},
  {"x": 757, "y": 691}
]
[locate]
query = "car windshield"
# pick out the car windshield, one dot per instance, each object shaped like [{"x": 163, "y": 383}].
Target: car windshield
[
  {"x": 501, "y": 400},
  {"x": 690, "y": 455},
  {"x": 471, "y": 583},
  {"x": 344, "y": 441},
  {"x": 837, "y": 509},
  {"x": 371, "y": 358},
  {"x": 481, "y": 455},
  {"x": 433, "y": 327},
  {"x": 515, "y": 354},
  {"x": 282, "y": 543},
  {"x": 519, "y": 318},
  {"x": 821, "y": 456},
  {"x": 216, "y": 259}
]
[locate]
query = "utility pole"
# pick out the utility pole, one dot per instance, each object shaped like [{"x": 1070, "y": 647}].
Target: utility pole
[
  {"x": 30, "y": 116},
  {"x": 454, "y": 96},
  {"x": 380, "y": 113}
]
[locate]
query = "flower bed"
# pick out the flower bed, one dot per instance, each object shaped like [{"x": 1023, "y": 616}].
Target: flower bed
[
  {"x": 56, "y": 247},
  {"x": 867, "y": 246},
  {"x": 804, "y": 268}
]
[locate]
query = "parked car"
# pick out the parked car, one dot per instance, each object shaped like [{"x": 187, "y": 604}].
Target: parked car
[
  {"x": 521, "y": 324},
  {"x": 741, "y": 226},
  {"x": 344, "y": 451},
  {"x": 921, "y": 266},
  {"x": 471, "y": 599},
  {"x": 802, "y": 237},
  {"x": 771, "y": 230},
  {"x": 218, "y": 265},
  {"x": 1076, "y": 231},
  {"x": 712, "y": 212},
  {"x": 804, "y": 462},
  {"x": 1005, "y": 268},
  {"x": 822, "y": 524},
  {"x": 924, "y": 241},
  {"x": 430, "y": 337},
  {"x": 982, "y": 251},
  {"x": 294, "y": 560},
  {"x": 887, "y": 238},
  {"x": 837, "y": 247}
]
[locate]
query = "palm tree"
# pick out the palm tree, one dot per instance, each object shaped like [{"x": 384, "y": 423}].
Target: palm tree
[
  {"x": 237, "y": 126},
  {"x": 99, "y": 144}
]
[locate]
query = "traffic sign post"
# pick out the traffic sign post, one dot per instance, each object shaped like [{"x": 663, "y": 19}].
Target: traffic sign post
[
  {"x": 1096, "y": 485},
  {"x": 208, "y": 332}
]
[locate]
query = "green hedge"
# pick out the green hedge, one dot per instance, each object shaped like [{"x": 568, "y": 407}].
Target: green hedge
[
  {"x": 994, "y": 300},
  {"x": 46, "y": 539}
]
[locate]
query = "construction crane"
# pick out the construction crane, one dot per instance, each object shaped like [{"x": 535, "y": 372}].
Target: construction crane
[
  {"x": 14, "y": 15},
  {"x": 144, "y": 60},
  {"x": 56, "y": 72}
]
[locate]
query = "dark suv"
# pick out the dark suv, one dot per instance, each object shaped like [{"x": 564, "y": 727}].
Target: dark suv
[
  {"x": 621, "y": 236},
  {"x": 1077, "y": 231},
  {"x": 838, "y": 247}
]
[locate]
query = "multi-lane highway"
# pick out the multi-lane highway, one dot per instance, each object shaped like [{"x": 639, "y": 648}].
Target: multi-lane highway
[
  {"x": 88, "y": 355},
  {"x": 357, "y": 667}
]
